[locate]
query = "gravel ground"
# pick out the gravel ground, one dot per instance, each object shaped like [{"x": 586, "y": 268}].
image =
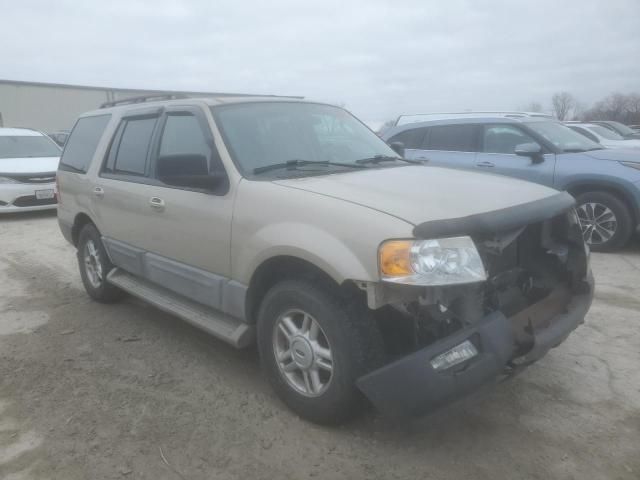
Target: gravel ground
[{"x": 89, "y": 391}]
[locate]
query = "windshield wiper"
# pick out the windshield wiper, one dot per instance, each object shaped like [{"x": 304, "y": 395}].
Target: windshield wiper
[
  {"x": 386, "y": 158},
  {"x": 293, "y": 164}
]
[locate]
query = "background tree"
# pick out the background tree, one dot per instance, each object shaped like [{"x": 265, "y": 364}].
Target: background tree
[
  {"x": 563, "y": 103},
  {"x": 533, "y": 107}
]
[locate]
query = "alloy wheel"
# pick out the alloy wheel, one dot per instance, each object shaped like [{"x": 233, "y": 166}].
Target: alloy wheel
[
  {"x": 598, "y": 222},
  {"x": 303, "y": 353},
  {"x": 92, "y": 264}
]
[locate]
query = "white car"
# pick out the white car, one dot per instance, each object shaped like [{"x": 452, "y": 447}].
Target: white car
[
  {"x": 28, "y": 164},
  {"x": 605, "y": 137}
]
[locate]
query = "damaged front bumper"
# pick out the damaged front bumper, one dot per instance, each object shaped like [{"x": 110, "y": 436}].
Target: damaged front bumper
[{"x": 411, "y": 386}]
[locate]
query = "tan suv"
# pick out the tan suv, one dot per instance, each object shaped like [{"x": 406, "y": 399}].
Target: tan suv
[{"x": 291, "y": 224}]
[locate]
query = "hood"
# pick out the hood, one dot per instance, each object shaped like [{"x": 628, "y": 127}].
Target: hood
[
  {"x": 29, "y": 165},
  {"x": 417, "y": 194},
  {"x": 614, "y": 154}
]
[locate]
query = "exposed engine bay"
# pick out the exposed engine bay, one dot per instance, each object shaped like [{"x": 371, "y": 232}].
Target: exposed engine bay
[{"x": 532, "y": 273}]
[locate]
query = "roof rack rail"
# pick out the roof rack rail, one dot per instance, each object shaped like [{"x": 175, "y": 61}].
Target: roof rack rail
[
  {"x": 143, "y": 99},
  {"x": 420, "y": 117}
]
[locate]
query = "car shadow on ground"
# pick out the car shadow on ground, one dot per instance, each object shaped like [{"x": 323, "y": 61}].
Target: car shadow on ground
[{"x": 24, "y": 216}]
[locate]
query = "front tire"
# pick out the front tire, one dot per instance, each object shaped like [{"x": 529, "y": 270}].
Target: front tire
[
  {"x": 313, "y": 346},
  {"x": 607, "y": 223},
  {"x": 94, "y": 265}
]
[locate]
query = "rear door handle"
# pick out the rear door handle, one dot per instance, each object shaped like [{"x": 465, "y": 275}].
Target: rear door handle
[
  {"x": 98, "y": 192},
  {"x": 156, "y": 203},
  {"x": 486, "y": 164}
]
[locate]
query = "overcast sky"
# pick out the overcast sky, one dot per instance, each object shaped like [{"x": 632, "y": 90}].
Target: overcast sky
[{"x": 379, "y": 58}]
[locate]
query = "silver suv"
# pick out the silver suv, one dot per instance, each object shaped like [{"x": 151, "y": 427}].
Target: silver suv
[{"x": 290, "y": 224}]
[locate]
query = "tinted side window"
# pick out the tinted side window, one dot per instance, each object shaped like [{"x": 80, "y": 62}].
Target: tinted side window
[
  {"x": 411, "y": 139},
  {"x": 183, "y": 135},
  {"x": 504, "y": 139},
  {"x": 82, "y": 143},
  {"x": 454, "y": 138},
  {"x": 131, "y": 156}
]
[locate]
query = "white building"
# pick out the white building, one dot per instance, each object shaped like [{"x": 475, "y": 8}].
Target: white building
[{"x": 51, "y": 106}]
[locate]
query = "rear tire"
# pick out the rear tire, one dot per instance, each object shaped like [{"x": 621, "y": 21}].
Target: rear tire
[
  {"x": 302, "y": 328},
  {"x": 607, "y": 223},
  {"x": 94, "y": 265}
]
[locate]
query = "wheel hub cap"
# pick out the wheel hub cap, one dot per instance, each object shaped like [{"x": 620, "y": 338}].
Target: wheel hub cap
[{"x": 302, "y": 353}]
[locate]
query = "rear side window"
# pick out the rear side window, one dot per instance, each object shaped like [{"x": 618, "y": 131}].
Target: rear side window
[
  {"x": 133, "y": 147},
  {"x": 82, "y": 143},
  {"x": 411, "y": 139},
  {"x": 453, "y": 138}
]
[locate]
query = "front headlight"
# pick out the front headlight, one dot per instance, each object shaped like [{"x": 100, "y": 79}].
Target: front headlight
[
  {"x": 7, "y": 180},
  {"x": 443, "y": 261}
]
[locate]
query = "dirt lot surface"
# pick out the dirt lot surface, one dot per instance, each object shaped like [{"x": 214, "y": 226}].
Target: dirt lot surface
[{"x": 89, "y": 391}]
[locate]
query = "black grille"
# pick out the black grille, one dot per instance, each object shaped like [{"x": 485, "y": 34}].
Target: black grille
[
  {"x": 32, "y": 201},
  {"x": 48, "y": 177}
]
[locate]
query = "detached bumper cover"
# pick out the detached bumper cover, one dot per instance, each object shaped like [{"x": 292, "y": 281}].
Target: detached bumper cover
[{"x": 410, "y": 385}]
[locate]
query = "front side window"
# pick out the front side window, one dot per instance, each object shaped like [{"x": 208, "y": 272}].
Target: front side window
[
  {"x": 452, "y": 138},
  {"x": 131, "y": 153},
  {"x": 504, "y": 139},
  {"x": 262, "y": 134},
  {"x": 411, "y": 139},
  {"x": 183, "y": 135}
]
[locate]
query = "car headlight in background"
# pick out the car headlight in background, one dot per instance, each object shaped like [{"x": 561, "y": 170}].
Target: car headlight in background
[
  {"x": 443, "y": 261},
  {"x": 7, "y": 180}
]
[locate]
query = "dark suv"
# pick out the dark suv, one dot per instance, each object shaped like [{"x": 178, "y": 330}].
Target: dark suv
[{"x": 606, "y": 183}]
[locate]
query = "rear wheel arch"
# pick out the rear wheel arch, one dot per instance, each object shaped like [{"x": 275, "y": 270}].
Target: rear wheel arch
[{"x": 79, "y": 222}]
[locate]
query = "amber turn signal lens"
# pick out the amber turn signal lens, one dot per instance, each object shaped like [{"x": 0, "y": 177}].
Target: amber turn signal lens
[{"x": 395, "y": 258}]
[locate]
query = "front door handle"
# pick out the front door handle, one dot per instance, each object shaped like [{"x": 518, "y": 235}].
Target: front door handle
[
  {"x": 98, "y": 192},
  {"x": 486, "y": 164},
  {"x": 156, "y": 203}
]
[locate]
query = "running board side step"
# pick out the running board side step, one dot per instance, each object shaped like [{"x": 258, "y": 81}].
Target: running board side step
[{"x": 226, "y": 328}]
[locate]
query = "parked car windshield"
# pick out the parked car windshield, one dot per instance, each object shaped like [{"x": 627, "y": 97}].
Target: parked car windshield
[
  {"x": 563, "y": 137},
  {"x": 604, "y": 132},
  {"x": 269, "y": 133},
  {"x": 622, "y": 128},
  {"x": 27, "y": 146}
]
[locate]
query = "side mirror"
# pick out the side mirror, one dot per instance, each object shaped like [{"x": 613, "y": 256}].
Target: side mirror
[
  {"x": 189, "y": 170},
  {"x": 531, "y": 150},
  {"x": 398, "y": 147}
]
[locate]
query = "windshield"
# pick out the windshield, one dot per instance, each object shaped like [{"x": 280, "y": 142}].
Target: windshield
[
  {"x": 621, "y": 128},
  {"x": 604, "y": 132},
  {"x": 563, "y": 137},
  {"x": 27, "y": 146},
  {"x": 269, "y": 133}
]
